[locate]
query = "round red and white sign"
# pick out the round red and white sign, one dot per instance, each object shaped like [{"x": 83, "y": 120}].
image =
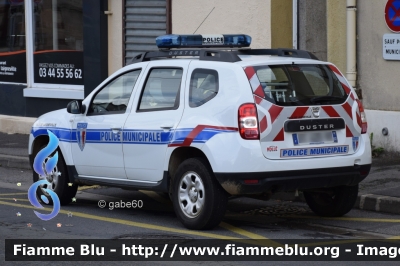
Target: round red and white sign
[{"x": 392, "y": 15}]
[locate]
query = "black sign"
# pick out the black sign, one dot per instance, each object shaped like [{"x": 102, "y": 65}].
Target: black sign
[
  {"x": 59, "y": 67},
  {"x": 13, "y": 67},
  {"x": 182, "y": 249},
  {"x": 314, "y": 124}
]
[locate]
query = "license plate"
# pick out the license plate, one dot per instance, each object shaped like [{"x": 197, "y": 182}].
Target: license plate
[{"x": 316, "y": 137}]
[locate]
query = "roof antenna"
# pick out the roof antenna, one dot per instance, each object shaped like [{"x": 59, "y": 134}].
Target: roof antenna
[{"x": 204, "y": 20}]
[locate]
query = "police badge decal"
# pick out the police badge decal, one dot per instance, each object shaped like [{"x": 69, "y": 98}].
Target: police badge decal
[
  {"x": 81, "y": 135},
  {"x": 355, "y": 143}
]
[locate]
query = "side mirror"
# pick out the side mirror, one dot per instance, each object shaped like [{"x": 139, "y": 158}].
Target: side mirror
[{"x": 76, "y": 107}]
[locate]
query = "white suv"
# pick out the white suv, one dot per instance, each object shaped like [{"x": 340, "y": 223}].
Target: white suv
[{"x": 204, "y": 124}]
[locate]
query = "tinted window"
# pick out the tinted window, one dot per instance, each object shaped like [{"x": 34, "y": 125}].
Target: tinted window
[
  {"x": 114, "y": 97},
  {"x": 161, "y": 90},
  {"x": 300, "y": 85},
  {"x": 203, "y": 86}
]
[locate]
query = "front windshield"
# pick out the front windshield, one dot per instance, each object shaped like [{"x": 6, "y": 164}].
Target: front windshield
[{"x": 291, "y": 85}]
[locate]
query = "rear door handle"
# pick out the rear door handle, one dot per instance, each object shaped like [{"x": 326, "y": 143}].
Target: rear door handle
[
  {"x": 167, "y": 127},
  {"x": 116, "y": 130}
]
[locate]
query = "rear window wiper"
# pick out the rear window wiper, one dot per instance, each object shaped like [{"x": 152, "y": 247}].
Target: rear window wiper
[{"x": 325, "y": 99}]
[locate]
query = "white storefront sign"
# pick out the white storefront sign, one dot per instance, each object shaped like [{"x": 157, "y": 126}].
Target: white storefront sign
[{"x": 391, "y": 46}]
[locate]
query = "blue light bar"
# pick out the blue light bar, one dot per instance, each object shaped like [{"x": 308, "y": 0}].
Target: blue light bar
[{"x": 202, "y": 41}]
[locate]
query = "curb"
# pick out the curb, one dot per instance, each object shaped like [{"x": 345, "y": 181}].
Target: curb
[
  {"x": 16, "y": 124},
  {"x": 378, "y": 203},
  {"x": 12, "y": 161}
]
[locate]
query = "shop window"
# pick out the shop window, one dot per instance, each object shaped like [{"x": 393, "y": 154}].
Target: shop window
[
  {"x": 58, "y": 42},
  {"x": 12, "y": 42},
  {"x": 44, "y": 54}
]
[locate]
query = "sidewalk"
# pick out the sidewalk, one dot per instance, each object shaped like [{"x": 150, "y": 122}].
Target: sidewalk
[
  {"x": 14, "y": 151},
  {"x": 380, "y": 191},
  {"x": 16, "y": 124}
]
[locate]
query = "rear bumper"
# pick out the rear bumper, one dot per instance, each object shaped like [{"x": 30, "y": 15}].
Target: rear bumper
[{"x": 234, "y": 183}]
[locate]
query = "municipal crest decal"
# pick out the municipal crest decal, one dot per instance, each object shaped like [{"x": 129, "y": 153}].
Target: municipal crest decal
[
  {"x": 81, "y": 135},
  {"x": 355, "y": 143}
]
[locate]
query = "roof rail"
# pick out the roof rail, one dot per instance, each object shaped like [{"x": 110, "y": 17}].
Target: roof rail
[
  {"x": 220, "y": 55},
  {"x": 279, "y": 52},
  {"x": 207, "y": 55}
]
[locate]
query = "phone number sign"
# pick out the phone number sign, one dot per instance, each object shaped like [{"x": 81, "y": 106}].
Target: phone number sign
[
  {"x": 59, "y": 71},
  {"x": 59, "y": 67}
]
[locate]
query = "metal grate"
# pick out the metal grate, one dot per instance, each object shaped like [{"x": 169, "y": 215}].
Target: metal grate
[{"x": 144, "y": 21}]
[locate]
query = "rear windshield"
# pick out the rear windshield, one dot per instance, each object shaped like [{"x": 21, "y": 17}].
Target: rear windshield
[{"x": 292, "y": 85}]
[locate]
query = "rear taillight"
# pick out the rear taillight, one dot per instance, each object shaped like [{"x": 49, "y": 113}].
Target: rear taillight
[
  {"x": 363, "y": 117},
  {"x": 248, "y": 122}
]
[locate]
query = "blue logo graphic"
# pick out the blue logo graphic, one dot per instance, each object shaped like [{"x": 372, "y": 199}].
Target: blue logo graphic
[{"x": 45, "y": 169}]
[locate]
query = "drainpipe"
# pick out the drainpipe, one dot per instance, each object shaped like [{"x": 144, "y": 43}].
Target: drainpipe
[
  {"x": 55, "y": 25},
  {"x": 30, "y": 41},
  {"x": 351, "y": 73},
  {"x": 295, "y": 26}
]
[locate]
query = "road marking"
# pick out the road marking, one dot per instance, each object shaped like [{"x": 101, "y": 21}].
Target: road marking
[
  {"x": 211, "y": 235},
  {"x": 7, "y": 156},
  {"x": 131, "y": 223},
  {"x": 12, "y": 194},
  {"x": 88, "y": 187},
  {"x": 245, "y": 233},
  {"x": 335, "y": 242},
  {"x": 224, "y": 225},
  {"x": 13, "y": 199},
  {"x": 155, "y": 196},
  {"x": 354, "y": 219}
]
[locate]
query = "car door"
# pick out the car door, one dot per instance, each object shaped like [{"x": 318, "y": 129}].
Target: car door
[
  {"x": 98, "y": 148},
  {"x": 155, "y": 115}
]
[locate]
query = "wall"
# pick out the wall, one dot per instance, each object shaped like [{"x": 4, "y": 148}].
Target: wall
[
  {"x": 12, "y": 101},
  {"x": 281, "y": 23},
  {"x": 95, "y": 43},
  {"x": 336, "y": 33},
  {"x": 313, "y": 27},
  {"x": 229, "y": 16},
  {"x": 115, "y": 33},
  {"x": 379, "y": 79}
]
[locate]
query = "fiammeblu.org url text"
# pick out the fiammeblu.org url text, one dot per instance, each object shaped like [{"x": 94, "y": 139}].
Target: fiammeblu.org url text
[{"x": 231, "y": 250}]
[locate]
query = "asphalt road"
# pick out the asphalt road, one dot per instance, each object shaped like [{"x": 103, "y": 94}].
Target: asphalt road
[{"x": 245, "y": 219}]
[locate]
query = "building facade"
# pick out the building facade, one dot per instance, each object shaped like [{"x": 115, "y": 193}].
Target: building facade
[
  {"x": 45, "y": 55},
  {"x": 53, "y": 51},
  {"x": 376, "y": 77}
]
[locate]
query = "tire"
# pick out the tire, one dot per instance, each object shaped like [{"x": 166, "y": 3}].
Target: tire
[
  {"x": 334, "y": 203},
  {"x": 199, "y": 200},
  {"x": 59, "y": 184}
]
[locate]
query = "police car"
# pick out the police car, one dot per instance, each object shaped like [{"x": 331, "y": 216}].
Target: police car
[{"x": 206, "y": 118}]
